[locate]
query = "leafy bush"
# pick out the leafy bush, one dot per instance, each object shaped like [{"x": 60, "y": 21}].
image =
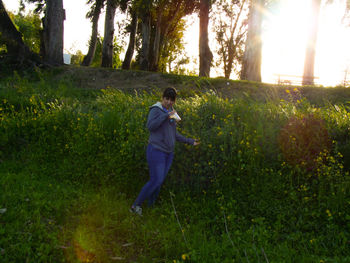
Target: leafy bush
[
  {"x": 302, "y": 139},
  {"x": 241, "y": 195}
]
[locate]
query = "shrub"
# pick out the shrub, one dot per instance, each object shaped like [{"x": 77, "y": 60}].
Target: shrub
[
  {"x": 302, "y": 139},
  {"x": 235, "y": 189}
]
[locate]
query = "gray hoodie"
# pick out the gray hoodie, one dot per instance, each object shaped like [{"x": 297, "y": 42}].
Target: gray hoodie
[{"x": 163, "y": 132}]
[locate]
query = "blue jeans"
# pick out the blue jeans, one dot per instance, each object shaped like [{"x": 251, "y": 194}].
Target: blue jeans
[{"x": 159, "y": 164}]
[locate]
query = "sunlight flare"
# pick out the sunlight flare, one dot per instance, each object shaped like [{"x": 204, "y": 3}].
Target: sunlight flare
[{"x": 285, "y": 40}]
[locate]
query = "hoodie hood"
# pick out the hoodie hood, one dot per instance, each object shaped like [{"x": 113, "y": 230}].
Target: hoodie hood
[{"x": 158, "y": 105}]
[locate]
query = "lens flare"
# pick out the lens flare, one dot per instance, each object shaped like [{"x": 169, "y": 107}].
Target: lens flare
[{"x": 302, "y": 139}]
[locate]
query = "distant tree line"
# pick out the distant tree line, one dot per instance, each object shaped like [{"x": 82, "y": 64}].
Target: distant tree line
[{"x": 155, "y": 30}]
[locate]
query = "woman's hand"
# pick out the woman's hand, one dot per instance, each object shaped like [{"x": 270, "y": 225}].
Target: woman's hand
[
  {"x": 171, "y": 113},
  {"x": 196, "y": 143}
]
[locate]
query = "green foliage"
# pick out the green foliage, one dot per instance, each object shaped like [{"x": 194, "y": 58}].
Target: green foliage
[
  {"x": 77, "y": 58},
  {"x": 171, "y": 30},
  {"x": 230, "y": 29},
  {"x": 96, "y": 62},
  {"x": 172, "y": 52},
  {"x": 302, "y": 139},
  {"x": 3, "y": 48},
  {"x": 72, "y": 161},
  {"x": 117, "y": 49},
  {"x": 30, "y": 27}
]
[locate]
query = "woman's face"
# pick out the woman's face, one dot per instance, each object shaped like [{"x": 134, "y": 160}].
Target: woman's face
[{"x": 167, "y": 102}]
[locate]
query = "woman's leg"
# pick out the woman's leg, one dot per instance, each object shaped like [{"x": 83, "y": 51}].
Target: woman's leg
[
  {"x": 168, "y": 161},
  {"x": 156, "y": 163}
]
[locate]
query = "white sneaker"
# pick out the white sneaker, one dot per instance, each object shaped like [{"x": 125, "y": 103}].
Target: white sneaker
[{"x": 136, "y": 209}]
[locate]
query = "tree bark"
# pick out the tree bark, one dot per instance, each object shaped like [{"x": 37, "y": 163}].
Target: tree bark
[
  {"x": 251, "y": 67},
  {"x": 162, "y": 30},
  {"x": 9, "y": 34},
  {"x": 308, "y": 76},
  {"x": 205, "y": 55},
  {"x": 131, "y": 47},
  {"x": 53, "y": 32},
  {"x": 146, "y": 38},
  {"x": 156, "y": 43},
  {"x": 107, "y": 48},
  {"x": 231, "y": 54},
  {"x": 93, "y": 40},
  {"x": 13, "y": 39}
]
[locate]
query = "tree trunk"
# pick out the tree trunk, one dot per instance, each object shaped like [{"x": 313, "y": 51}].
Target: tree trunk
[
  {"x": 93, "y": 40},
  {"x": 53, "y": 32},
  {"x": 107, "y": 49},
  {"x": 205, "y": 55},
  {"x": 13, "y": 39},
  {"x": 146, "y": 38},
  {"x": 131, "y": 47},
  {"x": 308, "y": 76},
  {"x": 9, "y": 34},
  {"x": 162, "y": 30},
  {"x": 230, "y": 56},
  {"x": 156, "y": 43},
  {"x": 251, "y": 67}
]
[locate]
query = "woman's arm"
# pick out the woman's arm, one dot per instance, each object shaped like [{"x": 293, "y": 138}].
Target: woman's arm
[
  {"x": 183, "y": 139},
  {"x": 155, "y": 118}
]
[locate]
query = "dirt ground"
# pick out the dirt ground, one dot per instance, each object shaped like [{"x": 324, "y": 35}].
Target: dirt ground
[{"x": 130, "y": 80}]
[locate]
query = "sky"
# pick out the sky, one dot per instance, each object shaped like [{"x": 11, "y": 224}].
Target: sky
[
  {"x": 77, "y": 28},
  {"x": 284, "y": 39}
]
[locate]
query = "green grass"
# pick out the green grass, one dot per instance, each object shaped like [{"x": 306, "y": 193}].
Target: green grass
[
  {"x": 269, "y": 182},
  {"x": 50, "y": 221}
]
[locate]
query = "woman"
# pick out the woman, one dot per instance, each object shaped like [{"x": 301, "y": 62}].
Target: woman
[{"x": 161, "y": 123}]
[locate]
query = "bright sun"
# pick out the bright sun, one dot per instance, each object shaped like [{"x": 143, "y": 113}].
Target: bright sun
[{"x": 285, "y": 37}]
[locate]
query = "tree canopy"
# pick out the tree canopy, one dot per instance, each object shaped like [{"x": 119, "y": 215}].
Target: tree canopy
[{"x": 155, "y": 29}]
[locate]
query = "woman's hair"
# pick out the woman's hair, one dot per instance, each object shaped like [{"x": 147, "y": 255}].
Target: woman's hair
[{"x": 170, "y": 93}]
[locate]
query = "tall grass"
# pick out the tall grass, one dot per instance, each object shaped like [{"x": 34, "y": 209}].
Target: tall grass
[{"x": 246, "y": 194}]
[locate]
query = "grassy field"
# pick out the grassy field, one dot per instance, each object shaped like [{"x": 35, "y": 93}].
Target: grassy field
[{"x": 268, "y": 183}]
